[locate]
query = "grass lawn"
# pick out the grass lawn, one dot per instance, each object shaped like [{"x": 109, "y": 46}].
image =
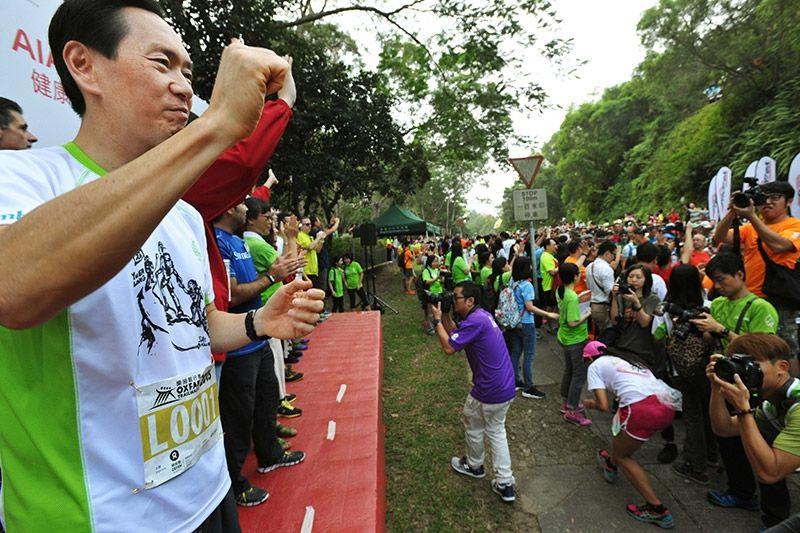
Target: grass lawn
[{"x": 423, "y": 393}]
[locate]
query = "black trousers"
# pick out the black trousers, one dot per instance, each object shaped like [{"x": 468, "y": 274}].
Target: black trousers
[
  {"x": 224, "y": 519},
  {"x": 775, "y": 502},
  {"x": 338, "y": 304},
  {"x": 248, "y": 406},
  {"x": 361, "y": 296}
]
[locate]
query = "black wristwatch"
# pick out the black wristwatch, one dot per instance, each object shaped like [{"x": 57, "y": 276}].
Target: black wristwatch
[
  {"x": 724, "y": 334},
  {"x": 436, "y": 322},
  {"x": 250, "y": 327},
  {"x": 270, "y": 278}
]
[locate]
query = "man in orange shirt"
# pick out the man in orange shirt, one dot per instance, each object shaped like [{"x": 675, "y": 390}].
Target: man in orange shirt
[
  {"x": 577, "y": 255},
  {"x": 780, "y": 237}
]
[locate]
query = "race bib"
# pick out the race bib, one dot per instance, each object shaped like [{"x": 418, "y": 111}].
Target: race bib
[{"x": 179, "y": 422}]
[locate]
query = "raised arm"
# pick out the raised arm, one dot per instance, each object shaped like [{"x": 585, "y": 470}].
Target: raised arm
[{"x": 70, "y": 226}]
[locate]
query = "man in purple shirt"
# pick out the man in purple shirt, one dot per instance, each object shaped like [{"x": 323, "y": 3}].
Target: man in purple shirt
[{"x": 492, "y": 390}]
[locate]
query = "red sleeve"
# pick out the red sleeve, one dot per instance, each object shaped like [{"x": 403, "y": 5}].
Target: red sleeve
[
  {"x": 262, "y": 193},
  {"x": 230, "y": 178}
]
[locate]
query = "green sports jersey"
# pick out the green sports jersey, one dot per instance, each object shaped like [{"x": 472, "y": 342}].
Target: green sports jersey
[
  {"x": 433, "y": 274},
  {"x": 336, "y": 279},
  {"x": 783, "y": 418},
  {"x": 352, "y": 275},
  {"x": 485, "y": 273},
  {"x": 761, "y": 317},
  {"x": 460, "y": 270},
  {"x": 263, "y": 256},
  {"x": 501, "y": 281},
  {"x": 546, "y": 264},
  {"x": 569, "y": 311}
]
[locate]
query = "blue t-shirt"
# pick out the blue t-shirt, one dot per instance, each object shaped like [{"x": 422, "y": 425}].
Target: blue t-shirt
[
  {"x": 244, "y": 270},
  {"x": 482, "y": 341},
  {"x": 523, "y": 291}
]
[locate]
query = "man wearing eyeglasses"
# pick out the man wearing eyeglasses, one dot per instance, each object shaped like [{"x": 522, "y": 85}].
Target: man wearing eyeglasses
[{"x": 779, "y": 234}]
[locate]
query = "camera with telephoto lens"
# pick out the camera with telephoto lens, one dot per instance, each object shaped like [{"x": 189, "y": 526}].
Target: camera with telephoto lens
[
  {"x": 445, "y": 298},
  {"x": 742, "y": 199},
  {"x": 680, "y": 318},
  {"x": 746, "y": 366}
]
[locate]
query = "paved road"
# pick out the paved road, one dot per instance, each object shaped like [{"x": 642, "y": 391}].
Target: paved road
[{"x": 560, "y": 486}]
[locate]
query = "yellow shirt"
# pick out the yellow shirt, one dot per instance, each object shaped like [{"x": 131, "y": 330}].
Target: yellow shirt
[{"x": 304, "y": 240}]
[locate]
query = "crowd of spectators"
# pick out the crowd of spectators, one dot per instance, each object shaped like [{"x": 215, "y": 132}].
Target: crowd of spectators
[{"x": 644, "y": 309}]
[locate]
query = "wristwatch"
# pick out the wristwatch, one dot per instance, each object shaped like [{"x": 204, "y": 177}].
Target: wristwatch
[
  {"x": 270, "y": 278},
  {"x": 250, "y": 327},
  {"x": 724, "y": 333},
  {"x": 436, "y": 322}
]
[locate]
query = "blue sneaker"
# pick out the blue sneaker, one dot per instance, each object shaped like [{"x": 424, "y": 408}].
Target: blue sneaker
[
  {"x": 461, "y": 466},
  {"x": 728, "y": 499},
  {"x": 609, "y": 474}
]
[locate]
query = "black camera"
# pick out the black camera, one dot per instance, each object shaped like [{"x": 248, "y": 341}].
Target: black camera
[
  {"x": 681, "y": 317},
  {"x": 742, "y": 199},
  {"x": 625, "y": 287},
  {"x": 445, "y": 298},
  {"x": 746, "y": 366}
]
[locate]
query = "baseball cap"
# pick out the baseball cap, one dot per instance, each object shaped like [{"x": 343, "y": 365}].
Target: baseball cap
[{"x": 593, "y": 349}]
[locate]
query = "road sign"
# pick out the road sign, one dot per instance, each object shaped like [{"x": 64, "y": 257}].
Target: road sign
[
  {"x": 527, "y": 167},
  {"x": 530, "y": 204}
]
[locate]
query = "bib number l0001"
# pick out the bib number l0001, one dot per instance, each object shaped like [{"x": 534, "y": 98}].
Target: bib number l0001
[{"x": 179, "y": 422}]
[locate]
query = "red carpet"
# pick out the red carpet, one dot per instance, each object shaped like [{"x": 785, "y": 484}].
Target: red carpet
[{"x": 343, "y": 479}]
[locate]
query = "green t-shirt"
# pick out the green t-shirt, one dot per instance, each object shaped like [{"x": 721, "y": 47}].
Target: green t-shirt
[
  {"x": 569, "y": 311},
  {"x": 485, "y": 273},
  {"x": 429, "y": 274},
  {"x": 501, "y": 281},
  {"x": 336, "y": 278},
  {"x": 352, "y": 275},
  {"x": 547, "y": 263},
  {"x": 263, "y": 256},
  {"x": 460, "y": 270},
  {"x": 779, "y": 422},
  {"x": 760, "y": 318},
  {"x": 304, "y": 241}
]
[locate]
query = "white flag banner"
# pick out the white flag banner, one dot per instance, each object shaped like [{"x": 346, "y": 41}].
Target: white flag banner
[
  {"x": 765, "y": 171},
  {"x": 723, "y": 191},
  {"x": 794, "y": 181},
  {"x": 713, "y": 206},
  {"x": 750, "y": 173}
]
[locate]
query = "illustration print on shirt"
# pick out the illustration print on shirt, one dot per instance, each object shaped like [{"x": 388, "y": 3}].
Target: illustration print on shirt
[{"x": 171, "y": 309}]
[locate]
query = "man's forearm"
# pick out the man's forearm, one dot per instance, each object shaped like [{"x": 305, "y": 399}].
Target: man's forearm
[
  {"x": 226, "y": 330},
  {"x": 66, "y": 231},
  {"x": 774, "y": 241},
  {"x": 721, "y": 231},
  {"x": 759, "y": 453},
  {"x": 242, "y": 292},
  {"x": 444, "y": 339},
  {"x": 721, "y": 421}
]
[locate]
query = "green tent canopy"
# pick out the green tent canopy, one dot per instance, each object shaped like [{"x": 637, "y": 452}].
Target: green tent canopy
[{"x": 399, "y": 221}]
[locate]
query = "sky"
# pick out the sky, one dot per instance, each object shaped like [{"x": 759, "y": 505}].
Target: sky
[{"x": 604, "y": 34}]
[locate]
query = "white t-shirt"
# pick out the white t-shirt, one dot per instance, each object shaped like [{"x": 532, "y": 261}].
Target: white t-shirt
[
  {"x": 629, "y": 383},
  {"x": 113, "y": 402},
  {"x": 659, "y": 287}
]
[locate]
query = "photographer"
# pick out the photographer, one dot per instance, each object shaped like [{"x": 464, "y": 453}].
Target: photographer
[
  {"x": 632, "y": 306},
  {"x": 735, "y": 312},
  {"x": 493, "y": 386},
  {"x": 770, "y": 433},
  {"x": 687, "y": 354},
  {"x": 779, "y": 235}
]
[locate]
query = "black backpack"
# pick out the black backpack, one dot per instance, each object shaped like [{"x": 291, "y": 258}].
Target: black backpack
[{"x": 781, "y": 284}]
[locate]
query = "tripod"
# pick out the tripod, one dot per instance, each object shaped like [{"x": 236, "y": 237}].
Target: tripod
[{"x": 373, "y": 300}]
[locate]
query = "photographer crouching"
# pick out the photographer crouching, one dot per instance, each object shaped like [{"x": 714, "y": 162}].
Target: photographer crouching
[
  {"x": 493, "y": 385},
  {"x": 756, "y": 372}
]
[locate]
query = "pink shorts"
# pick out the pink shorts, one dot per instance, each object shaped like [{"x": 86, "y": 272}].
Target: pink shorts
[{"x": 643, "y": 418}]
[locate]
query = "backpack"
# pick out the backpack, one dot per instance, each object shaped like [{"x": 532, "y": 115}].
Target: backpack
[
  {"x": 507, "y": 312},
  {"x": 689, "y": 356},
  {"x": 401, "y": 259},
  {"x": 781, "y": 284}
]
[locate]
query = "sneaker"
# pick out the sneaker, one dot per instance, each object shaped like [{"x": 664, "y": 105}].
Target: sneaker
[
  {"x": 685, "y": 471},
  {"x": 533, "y": 392},
  {"x": 288, "y": 459},
  {"x": 461, "y": 466},
  {"x": 645, "y": 513},
  {"x": 286, "y": 410},
  {"x": 578, "y": 418},
  {"x": 290, "y": 398},
  {"x": 581, "y": 408},
  {"x": 610, "y": 474},
  {"x": 285, "y": 432},
  {"x": 295, "y": 353},
  {"x": 285, "y": 444},
  {"x": 292, "y": 360},
  {"x": 668, "y": 453},
  {"x": 251, "y": 497},
  {"x": 300, "y": 347},
  {"x": 728, "y": 499},
  {"x": 506, "y": 492},
  {"x": 291, "y": 375},
  {"x": 520, "y": 385}
]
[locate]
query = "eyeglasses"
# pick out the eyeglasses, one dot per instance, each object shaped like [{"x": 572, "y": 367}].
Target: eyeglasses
[{"x": 305, "y": 223}]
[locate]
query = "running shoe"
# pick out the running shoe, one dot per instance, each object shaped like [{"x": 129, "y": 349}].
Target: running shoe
[
  {"x": 285, "y": 432},
  {"x": 251, "y": 497},
  {"x": 506, "y": 492},
  {"x": 533, "y": 392},
  {"x": 578, "y": 418},
  {"x": 284, "y": 444},
  {"x": 729, "y": 500},
  {"x": 607, "y": 467},
  {"x": 286, "y": 410},
  {"x": 288, "y": 459},
  {"x": 461, "y": 466},
  {"x": 564, "y": 408},
  {"x": 646, "y": 513},
  {"x": 290, "y": 398},
  {"x": 291, "y": 375}
]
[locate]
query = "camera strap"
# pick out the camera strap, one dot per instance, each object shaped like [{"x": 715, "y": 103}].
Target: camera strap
[
  {"x": 744, "y": 313},
  {"x": 737, "y": 239}
]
